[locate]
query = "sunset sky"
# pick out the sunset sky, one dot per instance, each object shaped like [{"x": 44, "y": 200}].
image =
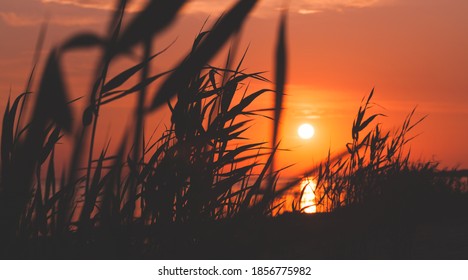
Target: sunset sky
[{"x": 414, "y": 52}]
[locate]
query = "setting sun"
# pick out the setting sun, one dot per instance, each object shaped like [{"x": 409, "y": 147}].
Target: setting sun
[{"x": 306, "y": 131}]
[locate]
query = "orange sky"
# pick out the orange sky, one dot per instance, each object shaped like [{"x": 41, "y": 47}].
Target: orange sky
[{"x": 414, "y": 52}]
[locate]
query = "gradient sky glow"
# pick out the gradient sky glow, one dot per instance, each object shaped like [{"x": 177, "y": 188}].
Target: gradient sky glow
[{"x": 414, "y": 52}]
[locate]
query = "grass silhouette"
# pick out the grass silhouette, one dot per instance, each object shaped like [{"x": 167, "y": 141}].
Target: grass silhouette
[{"x": 200, "y": 190}]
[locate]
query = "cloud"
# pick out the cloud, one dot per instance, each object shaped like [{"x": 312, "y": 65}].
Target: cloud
[
  {"x": 64, "y": 11},
  {"x": 307, "y": 11},
  {"x": 15, "y": 20},
  {"x": 309, "y": 113},
  {"x": 333, "y": 4},
  {"x": 133, "y": 6},
  {"x": 208, "y": 6},
  {"x": 304, "y": 7},
  {"x": 89, "y": 4},
  {"x": 192, "y": 6},
  {"x": 308, "y": 7},
  {"x": 304, "y": 111},
  {"x": 308, "y": 117}
]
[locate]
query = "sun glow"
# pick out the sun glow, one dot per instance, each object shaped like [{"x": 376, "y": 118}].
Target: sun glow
[
  {"x": 308, "y": 196},
  {"x": 306, "y": 131}
]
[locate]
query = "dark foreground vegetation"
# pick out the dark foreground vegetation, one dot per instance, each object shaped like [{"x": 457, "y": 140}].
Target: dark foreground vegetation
[{"x": 201, "y": 190}]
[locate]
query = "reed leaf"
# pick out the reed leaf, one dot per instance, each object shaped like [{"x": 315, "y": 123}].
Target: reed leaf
[
  {"x": 210, "y": 45},
  {"x": 154, "y": 18},
  {"x": 81, "y": 41}
]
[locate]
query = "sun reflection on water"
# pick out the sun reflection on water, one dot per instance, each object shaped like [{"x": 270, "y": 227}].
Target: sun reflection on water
[{"x": 308, "y": 196}]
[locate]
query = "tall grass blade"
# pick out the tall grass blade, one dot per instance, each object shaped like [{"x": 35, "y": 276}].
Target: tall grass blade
[
  {"x": 280, "y": 76},
  {"x": 280, "y": 81},
  {"x": 37, "y": 54},
  {"x": 53, "y": 102}
]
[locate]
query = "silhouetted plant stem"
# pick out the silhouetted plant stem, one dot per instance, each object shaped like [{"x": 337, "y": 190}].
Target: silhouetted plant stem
[
  {"x": 37, "y": 54},
  {"x": 139, "y": 139},
  {"x": 95, "y": 103},
  {"x": 280, "y": 82}
]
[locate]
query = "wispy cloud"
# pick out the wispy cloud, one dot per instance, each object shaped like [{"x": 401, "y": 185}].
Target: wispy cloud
[
  {"x": 308, "y": 7},
  {"x": 91, "y": 4},
  {"x": 133, "y": 6},
  {"x": 304, "y": 7},
  {"x": 308, "y": 11},
  {"x": 16, "y": 20},
  {"x": 64, "y": 11},
  {"x": 309, "y": 115},
  {"x": 331, "y": 4}
]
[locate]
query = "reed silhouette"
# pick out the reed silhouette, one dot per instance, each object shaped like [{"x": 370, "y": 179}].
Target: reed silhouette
[{"x": 199, "y": 190}]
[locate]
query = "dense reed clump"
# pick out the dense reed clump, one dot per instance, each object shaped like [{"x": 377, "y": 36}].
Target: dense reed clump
[
  {"x": 374, "y": 202},
  {"x": 376, "y": 170},
  {"x": 200, "y": 170}
]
